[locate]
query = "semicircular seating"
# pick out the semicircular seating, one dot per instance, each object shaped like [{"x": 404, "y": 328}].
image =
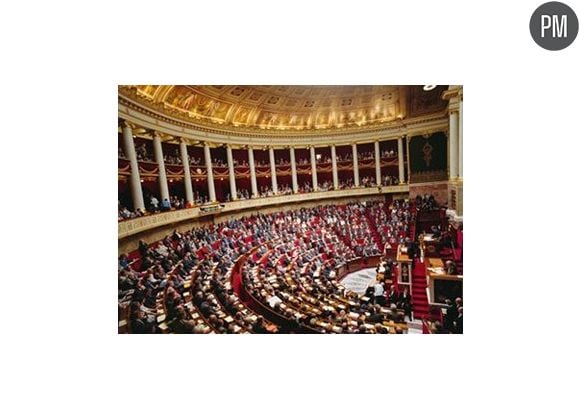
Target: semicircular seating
[{"x": 287, "y": 262}]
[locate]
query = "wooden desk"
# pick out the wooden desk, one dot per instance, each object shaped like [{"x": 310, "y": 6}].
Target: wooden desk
[
  {"x": 441, "y": 285},
  {"x": 435, "y": 262},
  {"x": 403, "y": 262},
  {"x": 402, "y": 255}
]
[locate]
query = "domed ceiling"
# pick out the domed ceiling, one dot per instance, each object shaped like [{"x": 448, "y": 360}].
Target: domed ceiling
[{"x": 287, "y": 107}]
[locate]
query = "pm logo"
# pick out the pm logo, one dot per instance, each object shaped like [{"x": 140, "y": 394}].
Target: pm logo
[
  {"x": 558, "y": 24},
  {"x": 554, "y": 26}
]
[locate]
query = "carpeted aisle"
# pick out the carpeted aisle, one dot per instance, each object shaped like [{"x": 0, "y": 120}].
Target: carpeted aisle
[{"x": 419, "y": 292}]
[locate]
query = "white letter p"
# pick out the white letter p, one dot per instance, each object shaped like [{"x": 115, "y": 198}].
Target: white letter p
[{"x": 546, "y": 23}]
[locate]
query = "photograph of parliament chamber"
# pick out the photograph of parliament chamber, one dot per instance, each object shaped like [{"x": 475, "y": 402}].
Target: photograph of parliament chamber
[{"x": 290, "y": 209}]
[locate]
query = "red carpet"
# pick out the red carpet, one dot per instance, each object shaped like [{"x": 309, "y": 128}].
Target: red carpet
[
  {"x": 419, "y": 292},
  {"x": 374, "y": 232}
]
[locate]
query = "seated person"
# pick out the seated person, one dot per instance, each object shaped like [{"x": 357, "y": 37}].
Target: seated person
[
  {"x": 458, "y": 324},
  {"x": 393, "y": 296},
  {"x": 405, "y": 303},
  {"x": 450, "y": 267},
  {"x": 165, "y": 205}
]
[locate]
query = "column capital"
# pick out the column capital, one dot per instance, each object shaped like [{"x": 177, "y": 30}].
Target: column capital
[
  {"x": 451, "y": 92},
  {"x": 154, "y": 134},
  {"x": 126, "y": 124}
]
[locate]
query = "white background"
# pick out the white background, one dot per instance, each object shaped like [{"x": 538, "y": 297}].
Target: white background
[{"x": 61, "y": 355}]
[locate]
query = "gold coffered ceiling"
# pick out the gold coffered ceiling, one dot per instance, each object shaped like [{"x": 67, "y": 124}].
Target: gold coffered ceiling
[{"x": 286, "y": 107}]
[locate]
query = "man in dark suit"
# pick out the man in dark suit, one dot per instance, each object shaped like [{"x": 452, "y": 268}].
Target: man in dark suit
[
  {"x": 370, "y": 293},
  {"x": 392, "y": 296},
  {"x": 258, "y": 327},
  {"x": 412, "y": 250},
  {"x": 458, "y": 329},
  {"x": 376, "y": 317},
  {"x": 405, "y": 303},
  {"x": 450, "y": 314}
]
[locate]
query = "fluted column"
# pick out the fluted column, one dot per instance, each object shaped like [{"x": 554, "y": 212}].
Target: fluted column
[
  {"x": 313, "y": 167},
  {"x": 460, "y": 142},
  {"x": 378, "y": 162},
  {"x": 186, "y": 174},
  {"x": 158, "y": 150},
  {"x": 209, "y": 168},
  {"x": 408, "y": 159},
  {"x": 334, "y": 167},
  {"x": 273, "y": 171},
  {"x": 293, "y": 167},
  {"x": 453, "y": 139},
  {"x": 129, "y": 146},
  {"x": 355, "y": 165},
  {"x": 231, "y": 168},
  {"x": 253, "y": 172},
  {"x": 401, "y": 161}
]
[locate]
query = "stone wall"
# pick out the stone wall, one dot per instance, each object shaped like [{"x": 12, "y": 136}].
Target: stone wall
[{"x": 439, "y": 190}]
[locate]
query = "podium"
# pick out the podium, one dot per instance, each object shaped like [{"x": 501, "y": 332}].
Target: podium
[
  {"x": 404, "y": 266},
  {"x": 440, "y": 285}
]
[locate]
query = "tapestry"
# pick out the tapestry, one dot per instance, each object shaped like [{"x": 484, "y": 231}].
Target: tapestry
[{"x": 428, "y": 157}]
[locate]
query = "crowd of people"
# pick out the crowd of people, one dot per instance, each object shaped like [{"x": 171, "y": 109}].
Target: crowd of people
[
  {"x": 426, "y": 202},
  {"x": 170, "y": 157},
  {"x": 390, "y": 181},
  {"x": 452, "y": 318},
  {"x": 125, "y": 213},
  {"x": 294, "y": 275},
  {"x": 306, "y": 187},
  {"x": 184, "y": 279},
  {"x": 187, "y": 275},
  {"x": 173, "y": 157},
  {"x": 143, "y": 153},
  {"x": 155, "y": 205}
]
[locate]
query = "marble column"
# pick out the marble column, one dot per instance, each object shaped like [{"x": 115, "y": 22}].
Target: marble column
[
  {"x": 355, "y": 165},
  {"x": 378, "y": 162},
  {"x": 129, "y": 148},
  {"x": 453, "y": 139},
  {"x": 401, "y": 161},
  {"x": 158, "y": 150},
  {"x": 293, "y": 167},
  {"x": 186, "y": 174},
  {"x": 209, "y": 168},
  {"x": 408, "y": 159},
  {"x": 334, "y": 167},
  {"x": 273, "y": 171},
  {"x": 313, "y": 168},
  {"x": 253, "y": 172},
  {"x": 460, "y": 142},
  {"x": 232, "y": 171}
]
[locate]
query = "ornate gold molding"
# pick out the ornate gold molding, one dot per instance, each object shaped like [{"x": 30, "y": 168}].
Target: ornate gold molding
[{"x": 147, "y": 119}]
